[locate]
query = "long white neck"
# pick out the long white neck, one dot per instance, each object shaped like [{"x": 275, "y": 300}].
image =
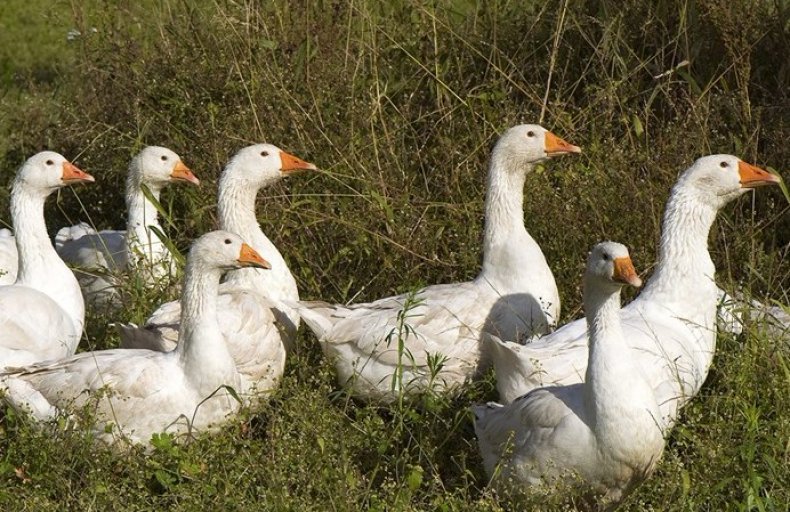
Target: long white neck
[
  {"x": 236, "y": 205},
  {"x": 40, "y": 267},
  {"x": 142, "y": 242},
  {"x": 507, "y": 247},
  {"x": 685, "y": 273},
  {"x": 616, "y": 394},
  {"x": 201, "y": 347}
]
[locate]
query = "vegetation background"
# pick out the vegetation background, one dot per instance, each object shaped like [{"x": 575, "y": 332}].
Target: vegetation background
[{"x": 399, "y": 104}]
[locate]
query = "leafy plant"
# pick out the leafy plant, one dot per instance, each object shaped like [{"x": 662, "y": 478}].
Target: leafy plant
[{"x": 399, "y": 104}]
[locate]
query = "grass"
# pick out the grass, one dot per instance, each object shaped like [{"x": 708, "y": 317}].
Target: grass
[{"x": 399, "y": 104}]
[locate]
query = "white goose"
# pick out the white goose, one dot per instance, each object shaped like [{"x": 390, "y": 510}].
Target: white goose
[
  {"x": 671, "y": 326},
  {"x": 137, "y": 393},
  {"x": 42, "y": 313},
  {"x": 96, "y": 254},
  {"x": 8, "y": 257},
  {"x": 514, "y": 295},
  {"x": 603, "y": 434},
  {"x": 257, "y": 326}
]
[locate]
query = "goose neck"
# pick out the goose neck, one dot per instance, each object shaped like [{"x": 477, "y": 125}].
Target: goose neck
[
  {"x": 504, "y": 207},
  {"x": 36, "y": 254},
  {"x": 684, "y": 261},
  {"x": 602, "y": 310},
  {"x": 236, "y": 208},
  {"x": 201, "y": 346},
  {"x": 505, "y": 238},
  {"x": 611, "y": 387},
  {"x": 142, "y": 213}
]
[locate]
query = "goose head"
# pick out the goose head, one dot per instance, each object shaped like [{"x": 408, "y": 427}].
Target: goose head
[
  {"x": 223, "y": 250},
  {"x": 528, "y": 144},
  {"x": 262, "y": 164},
  {"x": 609, "y": 266},
  {"x": 156, "y": 166},
  {"x": 718, "y": 179},
  {"x": 48, "y": 171}
]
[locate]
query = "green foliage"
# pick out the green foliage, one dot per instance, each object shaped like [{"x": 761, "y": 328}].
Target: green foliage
[{"x": 399, "y": 103}]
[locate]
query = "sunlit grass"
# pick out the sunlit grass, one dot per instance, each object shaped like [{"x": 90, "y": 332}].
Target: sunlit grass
[{"x": 399, "y": 103}]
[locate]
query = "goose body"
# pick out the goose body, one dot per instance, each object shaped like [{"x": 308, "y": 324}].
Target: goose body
[
  {"x": 736, "y": 310},
  {"x": 514, "y": 295},
  {"x": 602, "y": 435},
  {"x": 253, "y": 318},
  {"x": 671, "y": 325},
  {"x": 137, "y": 393},
  {"x": 8, "y": 257},
  {"x": 42, "y": 313},
  {"x": 99, "y": 254}
]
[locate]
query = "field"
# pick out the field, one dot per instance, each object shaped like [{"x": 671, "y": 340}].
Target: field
[{"x": 398, "y": 104}]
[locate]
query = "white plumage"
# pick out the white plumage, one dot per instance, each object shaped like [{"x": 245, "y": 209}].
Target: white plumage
[
  {"x": 136, "y": 393},
  {"x": 8, "y": 257},
  {"x": 257, "y": 325},
  {"x": 98, "y": 255},
  {"x": 602, "y": 435},
  {"x": 514, "y": 296},
  {"x": 42, "y": 313},
  {"x": 736, "y": 310},
  {"x": 671, "y": 326}
]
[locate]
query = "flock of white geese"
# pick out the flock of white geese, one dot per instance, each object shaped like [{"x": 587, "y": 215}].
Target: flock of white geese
[{"x": 589, "y": 402}]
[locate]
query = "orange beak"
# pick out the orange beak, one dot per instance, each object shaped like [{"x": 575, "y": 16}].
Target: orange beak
[
  {"x": 624, "y": 272},
  {"x": 248, "y": 257},
  {"x": 556, "y": 146},
  {"x": 291, "y": 164},
  {"x": 182, "y": 173},
  {"x": 752, "y": 177},
  {"x": 72, "y": 174}
]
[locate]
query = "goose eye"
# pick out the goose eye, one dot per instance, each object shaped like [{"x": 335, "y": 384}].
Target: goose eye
[
  {"x": 50, "y": 162},
  {"x": 227, "y": 241},
  {"x": 606, "y": 257},
  {"x": 530, "y": 133},
  {"x": 164, "y": 158},
  {"x": 723, "y": 165},
  {"x": 264, "y": 153}
]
